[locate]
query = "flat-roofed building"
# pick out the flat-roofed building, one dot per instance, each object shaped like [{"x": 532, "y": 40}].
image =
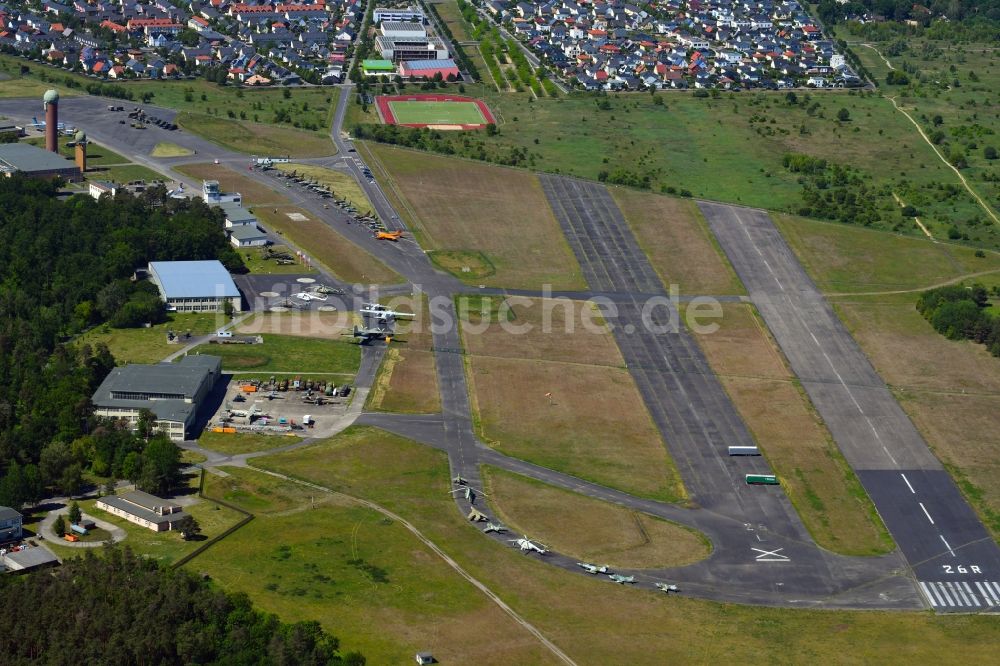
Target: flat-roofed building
[
  {"x": 410, "y": 48},
  {"x": 35, "y": 162},
  {"x": 247, "y": 236},
  {"x": 195, "y": 286},
  {"x": 173, "y": 392},
  {"x": 237, "y": 215},
  {"x": 383, "y": 14},
  {"x": 143, "y": 509},
  {"x": 428, "y": 69},
  {"x": 403, "y": 30},
  {"x": 378, "y": 67},
  {"x": 30, "y": 558}
]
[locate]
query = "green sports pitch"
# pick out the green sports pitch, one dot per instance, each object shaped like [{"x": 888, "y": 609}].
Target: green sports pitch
[{"x": 437, "y": 113}]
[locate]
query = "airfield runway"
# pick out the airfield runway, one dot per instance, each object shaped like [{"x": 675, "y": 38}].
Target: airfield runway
[
  {"x": 761, "y": 553},
  {"x": 954, "y": 559}
]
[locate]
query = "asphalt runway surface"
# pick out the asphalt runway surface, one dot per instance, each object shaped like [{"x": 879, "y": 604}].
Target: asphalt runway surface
[
  {"x": 956, "y": 562},
  {"x": 757, "y": 526}
]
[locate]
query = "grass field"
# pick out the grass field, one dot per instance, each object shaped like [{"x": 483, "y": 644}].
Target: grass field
[
  {"x": 341, "y": 184},
  {"x": 437, "y": 113},
  {"x": 469, "y": 207},
  {"x": 673, "y": 234},
  {"x": 599, "y": 533},
  {"x": 364, "y": 577},
  {"x": 589, "y": 618},
  {"x": 236, "y": 443},
  {"x": 254, "y": 193},
  {"x": 166, "y": 149},
  {"x": 848, "y": 259},
  {"x": 164, "y": 547},
  {"x": 407, "y": 379},
  {"x": 97, "y": 155},
  {"x": 288, "y": 354},
  {"x": 593, "y": 425},
  {"x": 103, "y": 163},
  {"x": 956, "y": 82},
  {"x": 563, "y": 400},
  {"x": 309, "y": 324},
  {"x": 149, "y": 345},
  {"x": 537, "y": 329},
  {"x": 125, "y": 173},
  {"x": 675, "y": 140},
  {"x": 407, "y": 383},
  {"x": 258, "y": 139},
  {"x": 343, "y": 258},
  {"x": 253, "y": 259},
  {"x": 826, "y": 493}
]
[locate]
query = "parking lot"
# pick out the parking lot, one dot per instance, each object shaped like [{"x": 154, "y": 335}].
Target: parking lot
[{"x": 280, "y": 407}]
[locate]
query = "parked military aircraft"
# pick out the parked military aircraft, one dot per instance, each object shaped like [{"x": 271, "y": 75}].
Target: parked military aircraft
[
  {"x": 593, "y": 568},
  {"x": 527, "y": 545},
  {"x": 621, "y": 580},
  {"x": 468, "y": 491},
  {"x": 665, "y": 587},
  {"x": 494, "y": 527},
  {"x": 382, "y": 313},
  {"x": 368, "y": 334}
]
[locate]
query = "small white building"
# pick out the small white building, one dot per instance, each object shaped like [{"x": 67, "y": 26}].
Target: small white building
[
  {"x": 211, "y": 193},
  {"x": 98, "y": 187}
]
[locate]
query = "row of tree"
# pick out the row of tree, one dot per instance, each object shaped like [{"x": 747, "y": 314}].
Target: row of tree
[
  {"x": 960, "y": 313},
  {"x": 119, "y": 608}
]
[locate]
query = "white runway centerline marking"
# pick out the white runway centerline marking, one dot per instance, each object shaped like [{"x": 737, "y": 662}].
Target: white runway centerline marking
[
  {"x": 947, "y": 545},
  {"x": 925, "y": 512},
  {"x": 907, "y": 482}
]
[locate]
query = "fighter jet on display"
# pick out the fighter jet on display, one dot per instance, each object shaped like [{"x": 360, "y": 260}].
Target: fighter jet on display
[
  {"x": 469, "y": 492},
  {"x": 494, "y": 527},
  {"x": 665, "y": 587},
  {"x": 593, "y": 568},
  {"x": 621, "y": 580},
  {"x": 369, "y": 334}
]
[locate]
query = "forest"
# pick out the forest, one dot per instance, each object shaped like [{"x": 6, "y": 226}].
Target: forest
[
  {"x": 154, "y": 616},
  {"x": 65, "y": 263},
  {"x": 961, "y": 313}
]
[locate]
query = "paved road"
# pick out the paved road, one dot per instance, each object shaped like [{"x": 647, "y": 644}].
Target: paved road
[{"x": 944, "y": 542}]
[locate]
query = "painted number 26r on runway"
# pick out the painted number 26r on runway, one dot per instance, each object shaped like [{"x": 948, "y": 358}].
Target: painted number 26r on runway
[{"x": 961, "y": 568}]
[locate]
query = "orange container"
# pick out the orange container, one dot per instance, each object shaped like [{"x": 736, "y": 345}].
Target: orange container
[{"x": 249, "y": 388}]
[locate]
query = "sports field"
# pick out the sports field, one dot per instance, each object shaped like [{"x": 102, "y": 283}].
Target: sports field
[
  {"x": 437, "y": 113},
  {"x": 440, "y": 111}
]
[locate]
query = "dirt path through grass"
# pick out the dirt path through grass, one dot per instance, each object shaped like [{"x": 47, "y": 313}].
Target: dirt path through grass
[
  {"x": 979, "y": 199},
  {"x": 552, "y": 647}
]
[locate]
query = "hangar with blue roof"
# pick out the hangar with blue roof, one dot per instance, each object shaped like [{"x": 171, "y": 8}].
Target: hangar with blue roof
[{"x": 195, "y": 286}]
